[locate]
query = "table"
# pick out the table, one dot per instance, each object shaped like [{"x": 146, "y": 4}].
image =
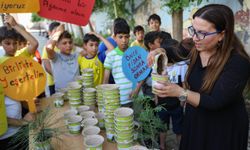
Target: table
[{"x": 69, "y": 141}]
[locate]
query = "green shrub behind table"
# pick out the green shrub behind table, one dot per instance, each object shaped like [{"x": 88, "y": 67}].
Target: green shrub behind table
[
  {"x": 3, "y": 118},
  {"x": 150, "y": 124}
]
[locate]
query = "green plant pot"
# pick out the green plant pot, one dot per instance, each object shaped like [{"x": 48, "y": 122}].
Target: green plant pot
[
  {"x": 87, "y": 114},
  {"x": 59, "y": 103},
  {"x": 124, "y": 145},
  {"x": 83, "y": 108},
  {"x": 89, "y": 122},
  {"x": 91, "y": 130},
  {"x": 45, "y": 145},
  {"x": 94, "y": 142},
  {"x": 75, "y": 102},
  {"x": 74, "y": 124}
]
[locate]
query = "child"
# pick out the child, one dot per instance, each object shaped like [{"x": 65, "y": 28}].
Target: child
[
  {"x": 65, "y": 65},
  {"x": 93, "y": 59},
  {"x": 8, "y": 39},
  {"x": 176, "y": 71},
  {"x": 139, "y": 35},
  {"x": 113, "y": 64},
  {"x": 154, "y": 22},
  {"x": 46, "y": 62}
]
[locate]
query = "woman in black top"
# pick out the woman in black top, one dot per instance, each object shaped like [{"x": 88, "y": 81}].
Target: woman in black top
[{"x": 216, "y": 117}]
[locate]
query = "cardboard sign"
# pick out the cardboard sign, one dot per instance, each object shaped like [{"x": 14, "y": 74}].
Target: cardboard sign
[
  {"x": 71, "y": 11},
  {"x": 19, "y": 6},
  {"x": 22, "y": 79},
  {"x": 134, "y": 64},
  {"x": 3, "y": 118}
]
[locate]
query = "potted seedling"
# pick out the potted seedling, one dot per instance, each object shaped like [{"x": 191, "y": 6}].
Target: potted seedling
[{"x": 149, "y": 122}]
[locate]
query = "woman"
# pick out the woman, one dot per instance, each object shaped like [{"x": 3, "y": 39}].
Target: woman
[{"x": 216, "y": 118}]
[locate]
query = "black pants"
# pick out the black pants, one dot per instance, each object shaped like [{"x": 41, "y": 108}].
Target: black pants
[
  {"x": 7, "y": 144},
  {"x": 52, "y": 89}
]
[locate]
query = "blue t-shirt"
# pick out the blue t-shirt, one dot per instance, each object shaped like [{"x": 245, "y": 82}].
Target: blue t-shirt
[{"x": 102, "y": 48}]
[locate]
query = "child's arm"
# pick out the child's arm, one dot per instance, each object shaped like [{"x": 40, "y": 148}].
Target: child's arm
[
  {"x": 109, "y": 46},
  {"x": 137, "y": 89},
  {"x": 52, "y": 42},
  {"x": 33, "y": 42},
  {"x": 20, "y": 122},
  {"x": 106, "y": 76}
]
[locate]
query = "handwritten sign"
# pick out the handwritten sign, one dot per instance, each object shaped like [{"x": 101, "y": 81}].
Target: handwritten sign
[
  {"x": 3, "y": 118},
  {"x": 22, "y": 79},
  {"x": 19, "y": 6},
  {"x": 71, "y": 11},
  {"x": 134, "y": 64}
]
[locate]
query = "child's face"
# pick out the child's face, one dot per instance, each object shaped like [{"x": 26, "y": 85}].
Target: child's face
[
  {"x": 155, "y": 45},
  {"x": 122, "y": 41},
  {"x": 154, "y": 25},
  {"x": 91, "y": 48},
  {"x": 10, "y": 46},
  {"x": 139, "y": 35},
  {"x": 65, "y": 45},
  {"x": 21, "y": 45}
]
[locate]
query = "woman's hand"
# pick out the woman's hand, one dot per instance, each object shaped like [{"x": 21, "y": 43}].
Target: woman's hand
[
  {"x": 152, "y": 54},
  {"x": 167, "y": 90}
]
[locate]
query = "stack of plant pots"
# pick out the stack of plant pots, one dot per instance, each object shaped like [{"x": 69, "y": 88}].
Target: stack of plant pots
[
  {"x": 88, "y": 78},
  {"x": 74, "y": 94},
  {"x": 93, "y": 142},
  {"x": 89, "y": 97},
  {"x": 124, "y": 127},
  {"x": 112, "y": 102},
  {"x": 100, "y": 99},
  {"x": 79, "y": 79}
]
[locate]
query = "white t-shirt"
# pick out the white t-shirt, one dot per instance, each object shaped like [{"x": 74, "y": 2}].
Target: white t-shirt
[
  {"x": 13, "y": 110},
  {"x": 177, "y": 72}
]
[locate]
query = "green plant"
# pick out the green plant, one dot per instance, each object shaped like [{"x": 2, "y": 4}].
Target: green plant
[
  {"x": 150, "y": 123},
  {"x": 36, "y": 18},
  {"x": 37, "y": 131}
]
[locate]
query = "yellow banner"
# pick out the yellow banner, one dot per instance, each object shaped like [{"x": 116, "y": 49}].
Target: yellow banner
[
  {"x": 3, "y": 118},
  {"x": 19, "y": 6},
  {"x": 22, "y": 79}
]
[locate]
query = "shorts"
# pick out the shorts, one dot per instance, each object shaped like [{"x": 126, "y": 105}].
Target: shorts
[{"x": 176, "y": 116}]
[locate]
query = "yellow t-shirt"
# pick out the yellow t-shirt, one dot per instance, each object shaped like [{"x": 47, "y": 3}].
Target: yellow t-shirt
[
  {"x": 23, "y": 52},
  {"x": 50, "y": 79},
  {"x": 96, "y": 65},
  {"x": 136, "y": 43}
]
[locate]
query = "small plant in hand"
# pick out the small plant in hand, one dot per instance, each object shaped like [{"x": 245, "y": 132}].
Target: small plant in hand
[
  {"x": 40, "y": 132},
  {"x": 150, "y": 123}
]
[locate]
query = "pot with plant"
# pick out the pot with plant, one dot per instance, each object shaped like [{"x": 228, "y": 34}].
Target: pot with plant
[
  {"x": 38, "y": 133},
  {"x": 150, "y": 124}
]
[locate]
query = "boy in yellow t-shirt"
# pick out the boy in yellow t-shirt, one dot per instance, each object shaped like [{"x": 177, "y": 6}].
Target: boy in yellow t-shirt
[
  {"x": 8, "y": 39},
  {"x": 93, "y": 59}
]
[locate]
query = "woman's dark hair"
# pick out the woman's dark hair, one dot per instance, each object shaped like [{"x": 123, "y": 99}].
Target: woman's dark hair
[
  {"x": 64, "y": 35},
  {"x": 222, "y": 18},
  {"x": 53, "y": 25},
  {"x": 150, "y": 37},
  {"x": 6, "y": 33}
]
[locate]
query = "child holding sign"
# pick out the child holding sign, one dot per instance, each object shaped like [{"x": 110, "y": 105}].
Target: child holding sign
[
  {"x": 65, "y": 65},
  {"x": 113, "y": 63},
  {"x": 8, "y": 39},
  {"x": 93, "y": 59}
]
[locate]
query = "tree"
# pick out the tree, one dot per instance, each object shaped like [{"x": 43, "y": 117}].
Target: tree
[
  {"x": 116, "y": 8},
  {"x": 36, "y": 18},
  {"x": 176, "y": 10}
]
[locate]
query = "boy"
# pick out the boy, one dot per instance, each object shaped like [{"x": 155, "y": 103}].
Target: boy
[
  {"x": 46, "y": 62},
  {"x": 154, "y": 22},
  {"x": 8, "y": 39},
  {"x": 92, "y": 59},
  {"x": 113, "y": 64},
  {"x": 139, "y": 35},
  {"x": 152, "y": 40},
  {"x": 64, "y": 64}
]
